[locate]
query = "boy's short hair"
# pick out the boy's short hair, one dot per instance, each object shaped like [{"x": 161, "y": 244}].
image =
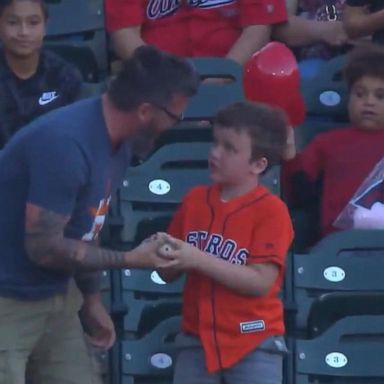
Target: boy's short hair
[
  {"x": 364, "y": 61},
  {"x": 266, "y": 126},
  {"x": 6, "y": 3}
]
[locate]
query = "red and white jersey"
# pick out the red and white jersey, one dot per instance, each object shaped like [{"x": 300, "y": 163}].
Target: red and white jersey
[
  {"x": 254, "y": 228},
  {"x": 193, "y": 28}
]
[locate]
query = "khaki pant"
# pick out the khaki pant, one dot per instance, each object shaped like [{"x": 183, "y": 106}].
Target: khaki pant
[{"x": 42, "y": 342}]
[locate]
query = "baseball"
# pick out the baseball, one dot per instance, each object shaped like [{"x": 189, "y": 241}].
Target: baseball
[{"x": 165, "y": 249}]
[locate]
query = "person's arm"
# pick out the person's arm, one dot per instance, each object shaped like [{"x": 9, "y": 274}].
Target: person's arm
[
  {"x": 126, "y": 40},
  {"x": 251, "y": 40},
  {"x": 298, "y": 31},
  {"x": 46, "y": 246},
  {"x": 271, "y": 237},
  {"x": 253, "y": 280},
  {"x": 359, "y": 22},
  {"x": 290, "y": 148},
  {"x": 123, "y": 19},
  {"x": 88, "y": 282}
]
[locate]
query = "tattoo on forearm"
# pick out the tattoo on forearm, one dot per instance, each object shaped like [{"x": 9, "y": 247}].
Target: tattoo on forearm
[{"x": 46, "y": 245}]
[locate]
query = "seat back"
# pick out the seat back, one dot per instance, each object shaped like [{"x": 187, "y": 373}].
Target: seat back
[
  {"x": 350, "y": 351},
  {"x": 73, "y": 16},
  {"x": 326, "y": 94},
  {"x": 340, "y": 263},
  {"x": 154, "y": 354},
  {"x": 213, "y": 96}
]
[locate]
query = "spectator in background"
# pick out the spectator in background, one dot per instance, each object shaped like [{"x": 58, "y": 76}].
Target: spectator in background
[
  {"x": 364, "y": 18},
  {"x": 32, "y": 81},
  {"x": 316, "y": 29},
  {"x": 190, "y": 28},
  {"x": 234, "y": 29},
  {"x": 343, "y": 158}
]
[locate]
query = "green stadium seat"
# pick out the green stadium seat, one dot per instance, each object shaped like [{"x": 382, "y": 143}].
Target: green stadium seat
[
  {"x": 73, "y": 16},
  {"x": 105, "y": 289},
  {"x": 349, "y": 352},
  {"x": 326, "y": 94},
  {"x": 186, "y": 132},
  {"x": 212, "y": 96},
  {"x": 81, "y": 56},
  {"x": 144, "y": 314},
  {"x": 151, "y": 357},
  {"x": 307, "y": 131},
  {"x": 219, "y": 67},
  {"x": 88, "y": 51},
  {"x": 331, "y": 307},
  {"x": 339, "y": 263},
  {"x": 92, "y": 89}
]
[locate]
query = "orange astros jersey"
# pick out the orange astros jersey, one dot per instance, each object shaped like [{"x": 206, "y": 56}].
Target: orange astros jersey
[{"x": 254, "y": 228}]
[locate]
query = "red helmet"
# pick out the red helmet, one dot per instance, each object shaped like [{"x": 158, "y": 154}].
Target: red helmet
[{"x": 271, "y": 76}]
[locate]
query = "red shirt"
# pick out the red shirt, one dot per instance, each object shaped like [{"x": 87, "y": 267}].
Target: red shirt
[
  {"x": 192, "y": 28},
  {"x": 254, "y": 228},
  {"x": 344, "y": 158}
]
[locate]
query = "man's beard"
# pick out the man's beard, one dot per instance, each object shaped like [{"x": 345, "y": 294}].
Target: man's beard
[{"x": 143, "y": 141}]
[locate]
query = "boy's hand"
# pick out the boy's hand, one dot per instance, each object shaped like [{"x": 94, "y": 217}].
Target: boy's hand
[
  {"x": 146, "y": 254},
  {"x": 184, "y": 255}
]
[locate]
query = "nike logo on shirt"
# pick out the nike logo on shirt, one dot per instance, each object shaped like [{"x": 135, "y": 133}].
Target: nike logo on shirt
[{"x": 48, "y": 97}]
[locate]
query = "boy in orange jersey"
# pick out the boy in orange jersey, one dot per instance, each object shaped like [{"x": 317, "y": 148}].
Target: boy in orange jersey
[{"x": 231, "y": 238}]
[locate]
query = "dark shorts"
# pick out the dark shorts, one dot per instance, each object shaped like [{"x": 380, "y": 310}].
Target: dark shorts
[{"x": 264, "y": 365}]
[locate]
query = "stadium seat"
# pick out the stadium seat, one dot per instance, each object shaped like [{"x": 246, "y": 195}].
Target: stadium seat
[
  {"x": 218, "y": 67},
  {"x": 152, "y": 357},
  {"x": 186, "y": 132},
  {"x": 105, "y": 289},
  {"x": 331, "y": 307},
  {"x": 92, "y": 89},
  {"x": 81, "y": 56},
  {"x": 349, "y": 352},
  {"x": 341, "y": 262},
  {"x": 148, "y": 299},
  {"x": 88, "y": 51},
  {"x": 73, "y": 16},
  {"x": 75, "y": 30},
  {"x": 325, "y": 95},
  {"x": 307, "y": 131},
  {"x": 213, "y": 96},
  {"x": 153, "y": 189}
]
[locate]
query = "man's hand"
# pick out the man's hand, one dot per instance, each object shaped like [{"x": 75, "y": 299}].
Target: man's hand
[{"x": 96, "y": 322}]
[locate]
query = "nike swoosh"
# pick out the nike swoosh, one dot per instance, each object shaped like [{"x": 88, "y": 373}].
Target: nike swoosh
[{"x": 43, "y": 102}]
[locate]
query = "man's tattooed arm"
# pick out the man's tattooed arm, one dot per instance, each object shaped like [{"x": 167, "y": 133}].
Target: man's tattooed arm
[
  {"x": 46, "y": 246},
  {"x": 88, "y": 282}
]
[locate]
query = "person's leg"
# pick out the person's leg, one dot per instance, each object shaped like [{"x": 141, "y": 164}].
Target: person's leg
[
  {"x": 21, "y": 325},
  {"x": 261, "y": 366},
  {"x": 62, "y": 356},
  {"x": 190, "y": 365}
]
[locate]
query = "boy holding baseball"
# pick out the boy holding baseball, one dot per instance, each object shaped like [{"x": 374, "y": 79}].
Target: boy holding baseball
[{"x": 231, "y": 239}]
